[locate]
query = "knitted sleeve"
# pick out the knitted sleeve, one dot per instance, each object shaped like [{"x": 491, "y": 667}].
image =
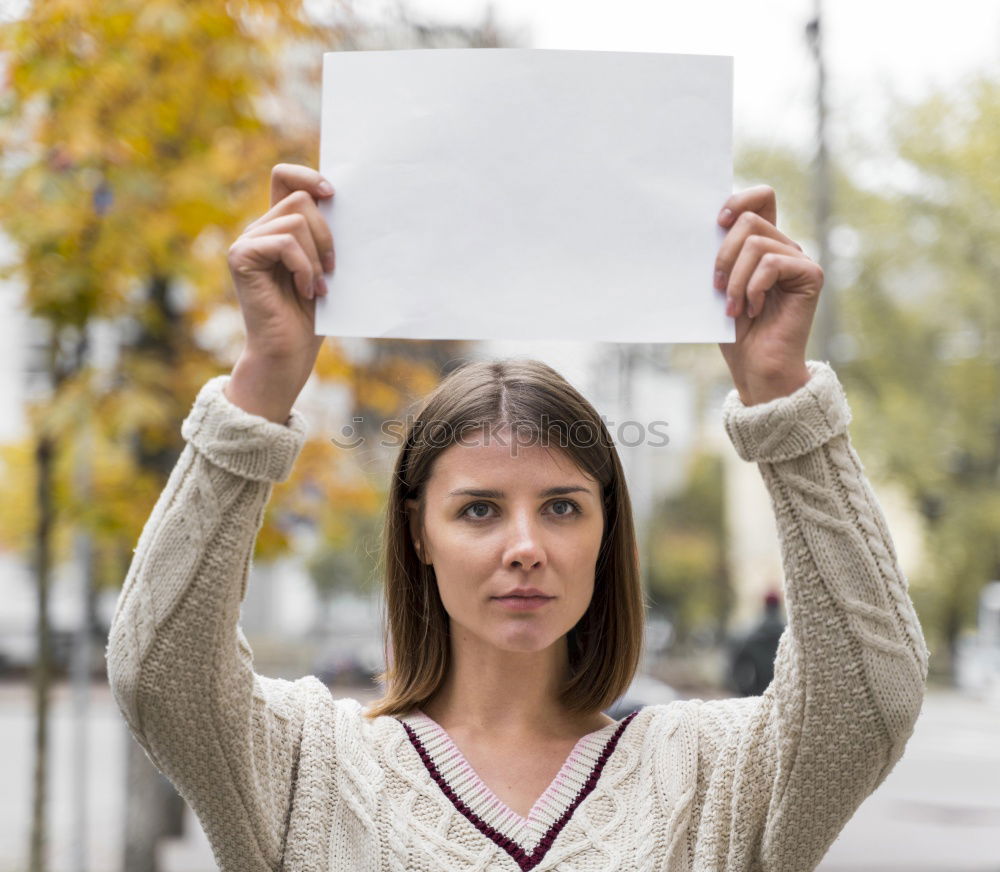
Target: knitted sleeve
[
  {"x": 789, "y": 768},
  {"x": 179, "y": 665}
]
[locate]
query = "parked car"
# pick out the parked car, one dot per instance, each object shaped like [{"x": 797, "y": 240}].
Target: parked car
[
  {"x": 644, "y": 690},
  {"x": 18, "y": 649},
  {"x": 354, "y": 665}
]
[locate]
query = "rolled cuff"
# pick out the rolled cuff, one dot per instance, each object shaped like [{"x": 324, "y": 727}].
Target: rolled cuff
[
  {"x": 790, "y": 426},
  {"x": 240, "y": 442}
]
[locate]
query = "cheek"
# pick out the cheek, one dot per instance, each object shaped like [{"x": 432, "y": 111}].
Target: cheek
[
  {"x": 587, "y": 547},
  {"x": 463, "y": 573}
]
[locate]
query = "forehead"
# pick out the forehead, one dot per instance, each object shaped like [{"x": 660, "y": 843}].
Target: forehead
[{"x": 497, "y": 457}]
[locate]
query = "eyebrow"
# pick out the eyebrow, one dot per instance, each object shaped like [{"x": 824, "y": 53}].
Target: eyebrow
[{"x": 499, "y": 495}]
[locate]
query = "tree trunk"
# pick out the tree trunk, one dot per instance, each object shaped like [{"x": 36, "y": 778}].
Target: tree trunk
[
  {"x": 154, "y": 807},
  {"x": 42, "y": 667}
]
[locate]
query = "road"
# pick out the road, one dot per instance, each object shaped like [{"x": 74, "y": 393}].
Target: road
[{"x": 938, "y": 811}]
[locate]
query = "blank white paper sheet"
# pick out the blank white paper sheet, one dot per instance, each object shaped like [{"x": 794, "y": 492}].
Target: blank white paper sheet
[{"x": 525, "y": 194}]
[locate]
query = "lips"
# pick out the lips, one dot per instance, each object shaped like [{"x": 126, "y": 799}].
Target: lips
[
  {"x": 524, "y": 592},
  {"x": 520, "y": 603},
  {"x": 518, "y": 596}
]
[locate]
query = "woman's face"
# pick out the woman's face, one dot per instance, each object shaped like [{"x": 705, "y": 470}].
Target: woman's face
[{"x": 493, "y": 521}]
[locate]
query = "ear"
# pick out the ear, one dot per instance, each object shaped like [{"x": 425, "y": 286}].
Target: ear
[{"x": 413, "y": 518}]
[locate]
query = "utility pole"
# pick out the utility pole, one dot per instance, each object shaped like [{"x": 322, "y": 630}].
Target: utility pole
[
  {"x": 825, "y": 327},
  {"x": 45, "y": 375},
  {"x": 632, "y": 359},
  {"x": 80, "y": 665}
]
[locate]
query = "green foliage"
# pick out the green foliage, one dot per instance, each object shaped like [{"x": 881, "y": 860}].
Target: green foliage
[
  {"x": 688, "y": 577},
  {"x": 920, "y": 318},
  {"x": 347, "y": 562}
]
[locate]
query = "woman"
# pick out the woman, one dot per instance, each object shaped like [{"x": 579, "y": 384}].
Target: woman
[{"x": 489, "y": 750}]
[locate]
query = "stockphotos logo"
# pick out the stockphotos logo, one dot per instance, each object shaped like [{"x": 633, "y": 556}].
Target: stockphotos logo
[{"x": 582, "y": 434}]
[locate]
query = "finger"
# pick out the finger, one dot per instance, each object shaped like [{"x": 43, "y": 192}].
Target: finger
[
  {"x": 302, "y": 202},
  {"x": 254, "y": 254},
  {"x": 790, "y": 270},
  {"x": 753, "y": 249},
  {"x": 286, "y": 178},
  {"x": 299, "y": 226},
  {"x": 760, "y": 199},
  {"x": 747, "y": 225},
  {"x": 298, "y": 186}
]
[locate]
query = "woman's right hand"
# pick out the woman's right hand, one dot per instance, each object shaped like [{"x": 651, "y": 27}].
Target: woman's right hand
[{"x": 277, "y": 265}]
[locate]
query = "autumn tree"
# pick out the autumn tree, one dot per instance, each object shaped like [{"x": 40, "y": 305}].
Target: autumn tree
[{"x": 137, "y": 140}]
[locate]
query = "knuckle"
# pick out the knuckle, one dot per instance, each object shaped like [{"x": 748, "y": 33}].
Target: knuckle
[
  {"x": 299, "y": 198},
  {"x": 237, "y": 261}
]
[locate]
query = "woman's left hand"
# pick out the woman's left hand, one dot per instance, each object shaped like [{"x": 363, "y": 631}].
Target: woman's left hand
[{"x": 772, "y": 289}]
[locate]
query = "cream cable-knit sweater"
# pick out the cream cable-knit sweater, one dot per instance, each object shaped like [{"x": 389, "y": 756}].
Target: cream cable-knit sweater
[{"x": 284, "y": 777}]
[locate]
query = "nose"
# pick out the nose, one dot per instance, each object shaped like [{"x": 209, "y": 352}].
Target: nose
[{"x": 524, "y": 547}]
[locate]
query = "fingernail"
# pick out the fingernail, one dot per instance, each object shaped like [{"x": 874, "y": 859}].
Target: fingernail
[
  {"x": 324, "y": 187},
  {"x": 749, "y": 309},
  {"x": 725, "y": 215},
  {"x": 322, "y": 287},
  {"x": 328, "y": 262},
  {"x": 730, "y": 307},
  {"x": 720, "y": 280}
]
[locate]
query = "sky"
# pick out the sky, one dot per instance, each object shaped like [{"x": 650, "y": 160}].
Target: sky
[
  {"x": 875, "y": 50},
  {"x": 872, "y": 46}
]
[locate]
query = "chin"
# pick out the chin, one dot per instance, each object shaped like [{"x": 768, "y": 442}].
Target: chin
[{"x": 523, "y": 640}]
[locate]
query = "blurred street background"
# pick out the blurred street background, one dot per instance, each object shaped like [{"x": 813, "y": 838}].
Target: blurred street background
[
  {"x": 938, "y": 811},
  {"x": 136, "y": 142}
]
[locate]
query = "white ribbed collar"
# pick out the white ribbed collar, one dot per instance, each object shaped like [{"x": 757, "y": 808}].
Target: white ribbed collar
[{"x": 521, "y": 837}]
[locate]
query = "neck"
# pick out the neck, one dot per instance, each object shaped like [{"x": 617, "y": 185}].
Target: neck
[{"x": 490, "y": 692}]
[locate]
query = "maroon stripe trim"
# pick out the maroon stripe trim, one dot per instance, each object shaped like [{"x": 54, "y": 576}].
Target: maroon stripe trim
[{"x": 523, "y": 859}]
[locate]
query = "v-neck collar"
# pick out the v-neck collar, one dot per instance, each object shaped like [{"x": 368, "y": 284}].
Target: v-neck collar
[{"x": 527, "y": 840}]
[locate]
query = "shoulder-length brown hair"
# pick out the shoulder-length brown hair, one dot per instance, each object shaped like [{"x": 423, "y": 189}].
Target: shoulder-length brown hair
[{"x": 528, "y": 397}]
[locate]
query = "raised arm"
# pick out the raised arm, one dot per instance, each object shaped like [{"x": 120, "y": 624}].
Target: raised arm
[
  {"x": 783, "y": 772},
  {"x": 179, "y": 665},
  {"x": 793, "y": 765}
]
